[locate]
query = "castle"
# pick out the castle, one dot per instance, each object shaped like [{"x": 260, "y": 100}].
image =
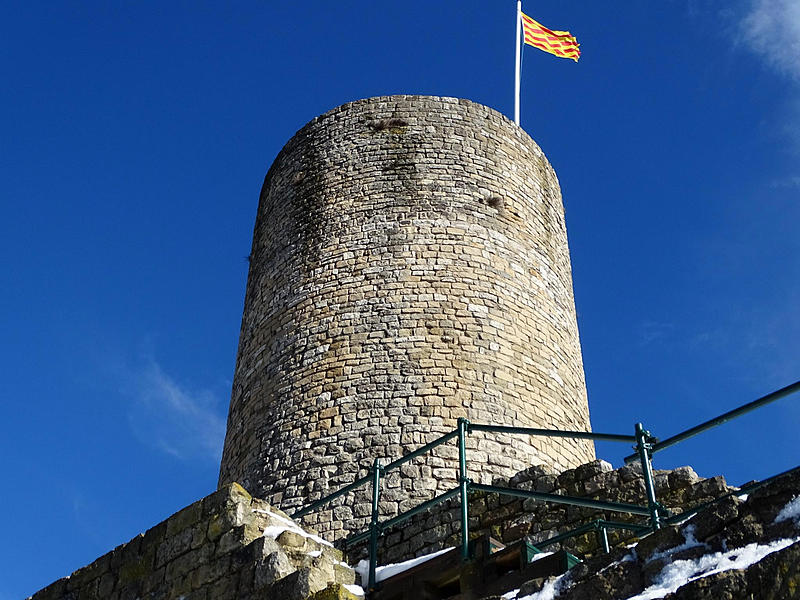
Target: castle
[
  {"x": 409, "y": 268},
  {"x": 410, "y": 274}
]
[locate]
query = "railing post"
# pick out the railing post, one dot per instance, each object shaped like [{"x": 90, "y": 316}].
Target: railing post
[
  {"x": 602, "y": 539},
  {"x": 643, "y": 446},
  {"x": 373, "y": 525},
  {"x": 464, "y": 485}
]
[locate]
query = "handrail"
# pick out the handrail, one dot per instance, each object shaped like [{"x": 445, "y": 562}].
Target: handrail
[
  {"x": 580, "y": 435},
  {"x": 587, "y": 435},
  {"x": 723, "y": 418},
  {"x": 596, "y": 525},
  {"x": 422, "y": 450},
  {"x": 367, "y": 478},
  {"x": 633, "y": 509},
  {"x": 420, "y": 508},
  {"x": 330, "y": 497},
  {"x": 360, "y": 537},
  {"x": 646, "y": 446}
]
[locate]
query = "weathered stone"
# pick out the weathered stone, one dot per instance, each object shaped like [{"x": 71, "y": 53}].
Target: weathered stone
[
  {"x": 262, "y": 547},
  {"x": 334, "y": 591},
  {"x": 166, "y": 563},
  {"x": 533, "y": 586},
  {"x": 173, "y": 546},
  {"x": 403, "y": 273},
  {"x": 184, "y": 518},
  {"x": 666, "y": 537},
  {"x": 776, "y": 577},
  {"x": 621, "y": 580},
  {"x": 137, "y": 567},
  {"x": 271, "y": 569},
  {"x": 293, "y": 540},
  {"x": 716, "y": 518},
  {"x": 590, "y": 469},
  {"x": 739, "y": 532},
  {"x": 237, "y": 537},
  {"x": 298, "y": 585},
  {"x": 682, "y": 477},
  {"x": 106, "y": 586},
  {"x": 710, "y": 488},
  {"x": 55, "y": 591}
]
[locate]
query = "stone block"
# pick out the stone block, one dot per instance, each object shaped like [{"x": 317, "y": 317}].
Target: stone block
[
  {"x": 173, "y": 546},
  {"x": 334, "y": 591},
  {"x": 272, "y": 568},
  {"x": 236, "y": 538},
  {"x": 298, "y": 585},
  {"x": 682, "y": 477},
  {"x": 185, "y": 518}
]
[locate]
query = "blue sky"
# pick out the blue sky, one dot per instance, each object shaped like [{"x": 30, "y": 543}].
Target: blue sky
[{"x": 135, "y": 137}]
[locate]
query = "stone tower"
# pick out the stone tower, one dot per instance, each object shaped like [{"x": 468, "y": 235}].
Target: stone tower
[{"x": 409, "y": 267}]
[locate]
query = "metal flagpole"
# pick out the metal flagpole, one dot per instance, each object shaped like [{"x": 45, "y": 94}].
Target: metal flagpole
[{"x": 517, "y": 68}]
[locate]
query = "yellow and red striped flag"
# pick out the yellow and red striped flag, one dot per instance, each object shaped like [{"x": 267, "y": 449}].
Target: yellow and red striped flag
[{"x": 560, "y": 43}]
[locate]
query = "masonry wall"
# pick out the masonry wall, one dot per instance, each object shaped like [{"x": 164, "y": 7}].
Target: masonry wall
[
  {"x": 409, "y": 267},
  {"x": 508, "y": 519},
  {"x": 227, "y": 546}
]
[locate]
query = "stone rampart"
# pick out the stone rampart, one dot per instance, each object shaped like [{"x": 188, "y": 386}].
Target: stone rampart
[
  {"x": 230, "y": 546},
  {"x": 409, "y": 267},
  {"x": 227, "y": 546}
]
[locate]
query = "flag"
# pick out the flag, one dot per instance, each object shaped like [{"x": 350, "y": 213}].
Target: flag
[{"x": 560, "y": 43}]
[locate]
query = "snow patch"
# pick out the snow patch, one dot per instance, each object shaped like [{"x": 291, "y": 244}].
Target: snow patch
[
  {"x": 273, "y": 531},
  {"x": 354, "y": 589},
  {"x": 539, "y": 555},
  {"x": 550, "y": 589},
  {"x": 510, "y": 595},
  {"x": 690, "y": 542},
  {"x": 386, "y": 571},
  {"x": 678, "y": 573},
  {"x": 790, "y": 511},
  {"x": 630, "y": 557}
]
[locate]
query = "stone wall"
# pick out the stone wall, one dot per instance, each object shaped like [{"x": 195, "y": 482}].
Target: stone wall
[
  {"x": 231, "y": 546},
  {"x": 508, "y": 519},
  {"x": 226, "y": 546},
  {"x": 409, "y": 267},
  {"x": 740, "y": 548}
]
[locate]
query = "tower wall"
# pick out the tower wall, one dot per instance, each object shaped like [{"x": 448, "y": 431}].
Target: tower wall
[{"x": 409, "y": 267}]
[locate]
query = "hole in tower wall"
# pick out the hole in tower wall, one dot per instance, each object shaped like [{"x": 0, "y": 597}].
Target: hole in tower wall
[
  {"x": 393, "y": 125},
  {"x": 495, "y": 202}
]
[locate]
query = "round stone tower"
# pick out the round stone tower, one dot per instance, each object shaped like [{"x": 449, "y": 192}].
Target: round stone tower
[{"x": 409, "y": 267}]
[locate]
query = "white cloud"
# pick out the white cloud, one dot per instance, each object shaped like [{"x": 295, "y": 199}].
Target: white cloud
[
  {"x": 654, "y": 331},
  {"x": 786, "y": 182},
  {"x": 166, "y": 415},
  {"x": 771, "y": 28}
]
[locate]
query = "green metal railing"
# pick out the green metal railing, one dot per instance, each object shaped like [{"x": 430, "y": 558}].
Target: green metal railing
[
  {"x": 645, "y": 445},
  {"x": 723, "y": 418}
]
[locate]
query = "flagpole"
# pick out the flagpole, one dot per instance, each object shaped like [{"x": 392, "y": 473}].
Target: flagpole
[{"x": 517, "y": 67}]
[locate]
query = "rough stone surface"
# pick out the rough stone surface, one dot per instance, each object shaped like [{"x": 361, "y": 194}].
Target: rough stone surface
[
  {"x": 214, "y": 549},
  {"x": 510, "y": 519},
  {"x": 409, "y": 267},
  {"x": 725, "y": 527}
]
